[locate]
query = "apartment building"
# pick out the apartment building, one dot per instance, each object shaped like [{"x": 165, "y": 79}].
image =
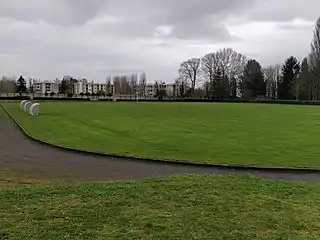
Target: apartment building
[
  {"x": 171, "y": 89},
  {"x": 43, "y": 87},
  {"x": 82, "y": 86}
]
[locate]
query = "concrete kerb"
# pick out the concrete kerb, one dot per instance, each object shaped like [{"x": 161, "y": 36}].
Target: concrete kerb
[{"x": 164, "y": 161}]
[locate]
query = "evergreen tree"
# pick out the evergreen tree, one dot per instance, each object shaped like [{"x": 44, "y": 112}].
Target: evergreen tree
[
  {"x": 220, "y": 85},
  {"x": 304, "y": 82},
  {"x": 253, "y": 84},
  {"x": 289, "y": 74},
  {"x": 21, "y": 85},
  {"x": 64, "y": 86}
]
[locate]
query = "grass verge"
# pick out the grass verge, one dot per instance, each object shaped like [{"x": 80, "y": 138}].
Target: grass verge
[{"x": 179, "y": 207}]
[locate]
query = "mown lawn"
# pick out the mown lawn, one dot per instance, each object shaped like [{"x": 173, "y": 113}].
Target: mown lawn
[
  {"x": 179, "y": 207},
  {"x": 252, "y": 134}
]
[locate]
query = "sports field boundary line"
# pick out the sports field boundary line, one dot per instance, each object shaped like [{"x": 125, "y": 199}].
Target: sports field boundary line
[{"x": 238, "y": 167}]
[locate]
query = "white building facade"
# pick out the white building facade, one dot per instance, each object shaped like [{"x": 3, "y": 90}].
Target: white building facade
[
  {"x": 43, "y": 87},
  {"x": 82, "y": 86}
]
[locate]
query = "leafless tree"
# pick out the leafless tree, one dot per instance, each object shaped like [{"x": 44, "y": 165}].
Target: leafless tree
[
  {"x": 189, "y": 71},
  {"x": 142, "y": 84},
  {"x": 108, "y": 86},
  {"x": 116, "y": 85},
  {"x": 7, "y": 85},
  {"x": 210, "y": 66},
  {"x": 272, "y": 76},
  {"x": 315, "y": 45},
  {"x": 314, "y": 59},
  {"x": 232, "y": 64},
  {"x": 124, "y": 85},
  {"x": 227, "y": 61},
  {"x": 133, "y": 83}
]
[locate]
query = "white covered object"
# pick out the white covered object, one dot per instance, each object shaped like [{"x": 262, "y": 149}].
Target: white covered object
[
  {"x": 34, "y": 109},
  {"x": 27, "y": 106},
  {"x": 22, "y": 104}
]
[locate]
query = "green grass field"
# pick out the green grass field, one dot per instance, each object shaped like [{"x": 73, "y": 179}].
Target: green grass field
[
  {"x": 179, "y": 207},
  {"x": 251, "y": 134}
]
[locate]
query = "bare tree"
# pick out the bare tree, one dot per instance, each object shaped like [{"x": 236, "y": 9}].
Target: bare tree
[
  {"x": 134, "y": 84},
  {"x": 189, "y": 71},
  {"x": 8, "y": 85},
  {"x": 210, "y": 66},
  {"x": 314, "y": 59},
  {"x": 116, "y": 85},
  {"x": 108, "y": 91},
  {"x": 142, "y": 84},
  {"x": 124, "y": 85},
  {"x": 232, "y": 65},
  {"x": 272, "y": 76},
  {"x": 227, "y": 62}
]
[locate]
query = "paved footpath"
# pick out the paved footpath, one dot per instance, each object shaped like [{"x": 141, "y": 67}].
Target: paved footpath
[{"x": 35, "y": 160}]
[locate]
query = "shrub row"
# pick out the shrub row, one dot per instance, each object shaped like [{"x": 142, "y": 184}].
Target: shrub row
[
  {"x": 15, "y": 98},
  {"x": 265, "y": 101},
  {"x": 60, "y": 99}
]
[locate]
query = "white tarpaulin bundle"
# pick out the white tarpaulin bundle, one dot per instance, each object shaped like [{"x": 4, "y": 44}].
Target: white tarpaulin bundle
[
  {"x": 34, "y": 109},
  {"x": 31, "y": 108},
  {"x": 22, "y": 104},
  {"x": 26, "y": 106}
]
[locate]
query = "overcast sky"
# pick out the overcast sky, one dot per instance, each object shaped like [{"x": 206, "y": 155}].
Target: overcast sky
[{"x": 51, "y": 38}]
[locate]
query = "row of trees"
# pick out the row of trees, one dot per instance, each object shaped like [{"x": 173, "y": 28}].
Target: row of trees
[
  {"x": 229, "y": 74},
  {"x": 128, "y": 85},
  {"x": 9, "y": 85}
]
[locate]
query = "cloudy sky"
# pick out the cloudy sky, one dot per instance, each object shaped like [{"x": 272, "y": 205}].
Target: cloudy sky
[{"x": 51, "y": 38}]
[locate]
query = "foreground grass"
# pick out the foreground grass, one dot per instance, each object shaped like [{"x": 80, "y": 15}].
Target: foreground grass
[
  {"x": 13, "y": 179},
  {"x": 253, "y": 134},
  {"x": 180, "y": 207}
]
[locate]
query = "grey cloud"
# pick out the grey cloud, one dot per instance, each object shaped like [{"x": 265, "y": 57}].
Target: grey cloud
[
  {"x": 190, "y": 19},
  {"x": 54, "y": 11},
  {"x": 201, "y": 29},
  {"x": 283, "y": 10},
  {"x": 55, "y": 37},
  {"x": 126, "y": 29},
  {"x": 139, "y": 18}
]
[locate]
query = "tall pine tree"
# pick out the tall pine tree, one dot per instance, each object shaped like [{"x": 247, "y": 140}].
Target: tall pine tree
[
  {"x": 304, "y": 82},
  {"x": 289, "y": 74},
  {"x": 21, "y": 85},
  {"x": 220, "y": 85},
  {"x": 253, "y": 84}
]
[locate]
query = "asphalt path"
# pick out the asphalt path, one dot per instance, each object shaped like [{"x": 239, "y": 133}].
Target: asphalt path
[{"x": 22, "y": 155}]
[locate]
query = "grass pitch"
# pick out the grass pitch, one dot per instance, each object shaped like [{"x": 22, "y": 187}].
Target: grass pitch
[
  {"x": 179, "y": 207},
  {"x": 251, "y": 134}
]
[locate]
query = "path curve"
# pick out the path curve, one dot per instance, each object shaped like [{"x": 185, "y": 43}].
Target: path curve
[{"x": 35, "y": 160}]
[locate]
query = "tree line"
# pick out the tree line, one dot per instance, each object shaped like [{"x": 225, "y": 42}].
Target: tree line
[
  {"x": 127, "y": 84},
  {"x": 9, "y": 85},
  {"x": 229, "y": 74}
]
